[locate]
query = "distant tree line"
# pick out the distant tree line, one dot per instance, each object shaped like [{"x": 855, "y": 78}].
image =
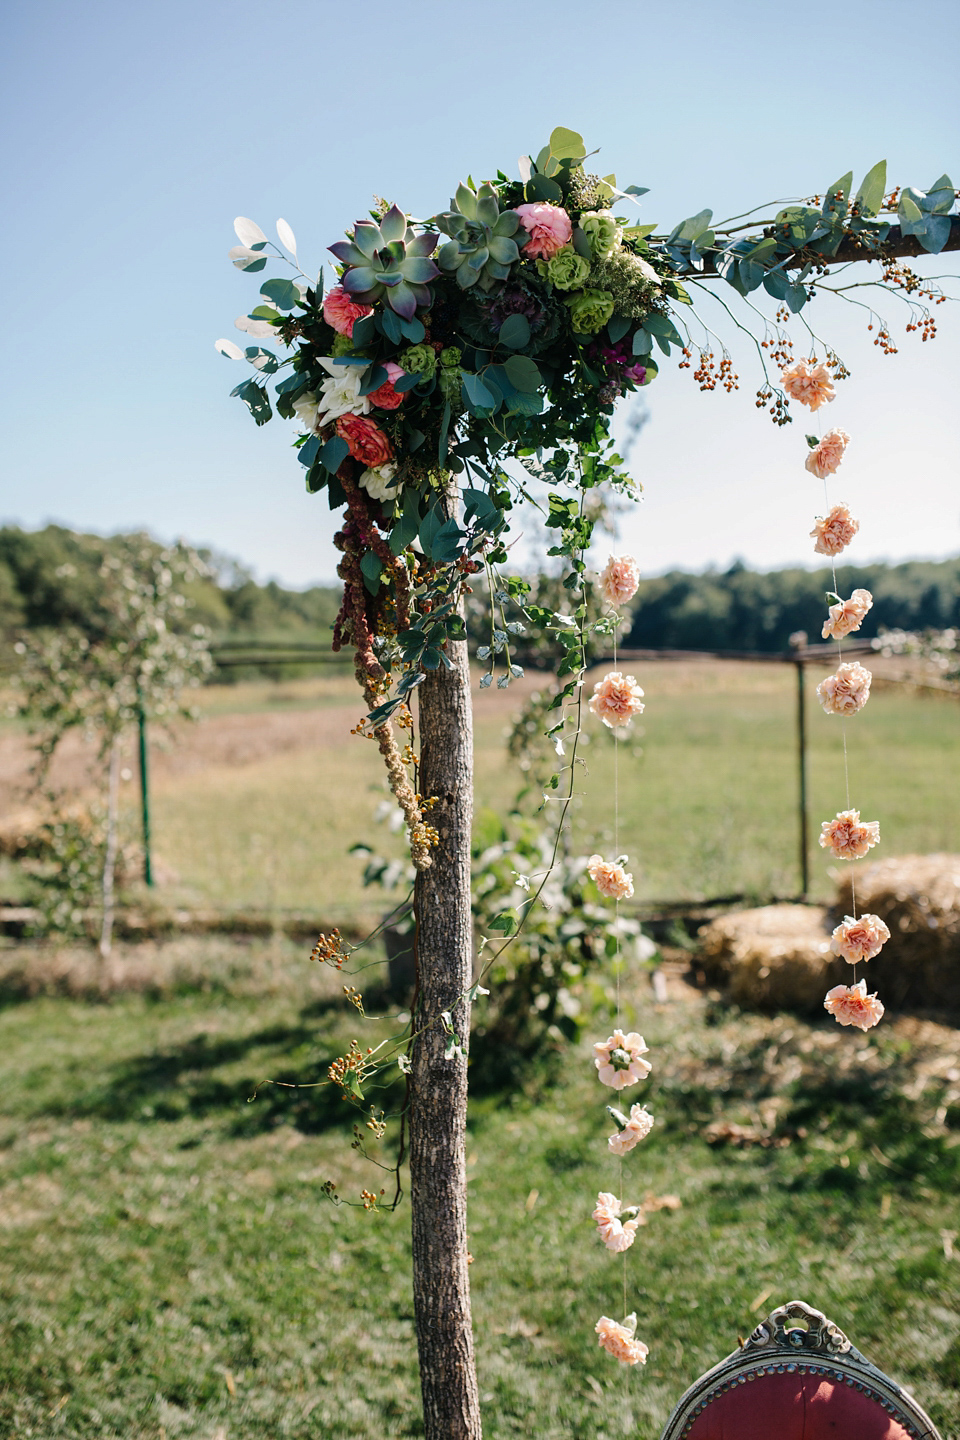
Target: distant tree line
[
  {"x": 50, "y": 578},
  {"x": 741, "y": 609}
]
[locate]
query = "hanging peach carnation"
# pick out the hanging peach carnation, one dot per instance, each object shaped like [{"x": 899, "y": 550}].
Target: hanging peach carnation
[
  {"x": 619, "y": 1340},
  {"x": 860, "y": 939},
  {"x": 341, "y": 312},
  {"x": 616, "y": 699},
  {"x": 834, "y": 531},
  {"x": 808, "y": 382},
  {"x": 619, "y": 579},
  {"x": 619, "y": 1060},
  {"x": 824, "y": 458},
  {"x": 549, "y": 228},
  {"x": 847, "y": 615},
  {"x": 851, "y": 1005},
  {"x": 630, "y": 1130},
  {"x": 366, "y": 440},
  {"x": 610, "y": 878},
  {"x": 848, "y": 837},
  {"x": 846, "y": 691},
  {"x": 616, "y": 1232}
]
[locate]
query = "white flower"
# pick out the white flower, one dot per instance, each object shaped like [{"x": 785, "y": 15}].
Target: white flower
[
  {"x": 306, "y": 409},
  {"x": 380, "y": 484},
  {"x": 340, "y": 395}
]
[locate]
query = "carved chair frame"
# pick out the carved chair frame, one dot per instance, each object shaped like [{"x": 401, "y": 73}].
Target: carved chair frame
[{"x": 778, "y": 1347}]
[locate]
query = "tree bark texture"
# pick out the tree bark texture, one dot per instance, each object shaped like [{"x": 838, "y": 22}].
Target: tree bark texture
[{"x": 438, "y": 1091}]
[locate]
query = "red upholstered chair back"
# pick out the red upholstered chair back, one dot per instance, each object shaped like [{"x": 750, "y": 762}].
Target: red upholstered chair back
[{"x": 797, "y": 1381}]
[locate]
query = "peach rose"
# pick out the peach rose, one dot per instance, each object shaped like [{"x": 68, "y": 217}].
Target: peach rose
[
  {"x": 824, "y": 459},
  {"x": 859, "y": 940},
  {"x": 847, "y": 616},
  {"x": 620, "y": 1061},
  {"x": 834, "y": 531},
  {"x": 846, "y": 691},
  {"x": 616, "y": 1232},
  {"x": 385, "y": 396},
  {"x": 618, "y": 1340},
  {"x": 847, "y": 837},
  {"x": 808, "y": 382},
  {"x": 366, "y": 440},
  {"x": 341, "y": 312},
  {"x": 616, "y": 699},
  {"x": 851, "y": 1005},
  {"x": 610, "y": 878},
  {"x": 548, "y": 226},
  {"x": 619, "y": 579},
  {"x": 630, "y": 1130}
]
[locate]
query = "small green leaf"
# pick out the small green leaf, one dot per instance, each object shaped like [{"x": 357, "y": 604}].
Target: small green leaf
[
  {"x": 523, "y": 373},
  {"x": 870, "y": 195},
  {"x": 333, "y": 454},
  {"x": 283, "y": 293},
  {"x": 370, "y": 566},
  {"x": 515, "y": 332}
]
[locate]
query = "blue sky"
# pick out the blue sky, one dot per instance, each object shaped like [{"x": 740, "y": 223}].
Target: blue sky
[{"x": 135, "y": 134}]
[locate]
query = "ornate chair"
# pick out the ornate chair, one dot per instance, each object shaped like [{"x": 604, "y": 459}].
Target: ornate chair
[{"x": 797, "y": 1381}]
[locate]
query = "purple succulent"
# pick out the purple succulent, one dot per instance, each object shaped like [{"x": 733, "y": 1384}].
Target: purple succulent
[{"x": 389, "y": 261}]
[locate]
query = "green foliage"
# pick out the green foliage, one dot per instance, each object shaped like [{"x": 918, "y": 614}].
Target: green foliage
[{"x": 742, "y": 609}]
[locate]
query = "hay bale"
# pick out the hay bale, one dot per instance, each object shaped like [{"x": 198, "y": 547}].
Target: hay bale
[
  {"x": 774, "y": 958},
  {"x": 918, "y": 899}
]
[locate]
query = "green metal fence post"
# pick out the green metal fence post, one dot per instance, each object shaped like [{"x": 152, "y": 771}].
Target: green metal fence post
[
  {"x": 144, "y": 792},
  {"x": 802, "y": 766}
]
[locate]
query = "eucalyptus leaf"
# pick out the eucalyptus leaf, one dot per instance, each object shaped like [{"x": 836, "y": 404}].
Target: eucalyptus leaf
[
  {"x": 283, "y": 293},
  {"x": 334, "y": 452},
  {"x": 287, "y": 238},
  {"x": 247, "y": 232},
  {"x": 523, "y": 373},
  {"x": 869, "y": 197},
  {"x": 370, "y": 567},
  {"x": 515, "y": 332},
  {"x": 227, "y": 348}
]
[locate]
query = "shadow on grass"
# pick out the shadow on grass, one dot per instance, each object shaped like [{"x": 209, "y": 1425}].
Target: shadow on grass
[{"x": 178, "y": 1083}]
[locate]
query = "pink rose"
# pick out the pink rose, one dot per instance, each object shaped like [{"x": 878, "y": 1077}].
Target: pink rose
[
  {"x": 620, "y": 579},
  {"x": 833, "y": 532},
  {"x": 859, "y": 940},
  {"x": 548, "y": 226},
  {"x": 809, "y": 383},
  {"x": 824, "y": 459},
  {"x": 847, "y": 616},
  {"x": 848, "y": 837},
  {"x": 341, "y": 312},
  {"x": 366, "y": 440},
  {"x": 385, "y": 396},
  {"x": 610, "y": 878},
  {"x": 616, "y": 699},
  {"x": 846, "y": 691},
  {"x": 851, "y": 1005}
]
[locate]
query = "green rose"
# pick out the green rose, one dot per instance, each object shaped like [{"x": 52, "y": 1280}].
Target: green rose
[
  {"x": 566, "y": 269},
  {"x": 450, "y": 358},
  {"x": 590, "y": 310},
  {"x": 602, "y": 231},
  {"x": 419, "y": 360},
  {"x": 448, "y": 383},
  {"x": 342, "y": 345}
]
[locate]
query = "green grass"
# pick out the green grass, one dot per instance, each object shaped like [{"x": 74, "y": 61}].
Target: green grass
[
  {"x": 169, "y": 1267},
  {"x": 707, "y": 791}
]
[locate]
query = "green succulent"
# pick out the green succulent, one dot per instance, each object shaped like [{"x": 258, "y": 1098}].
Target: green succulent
[
  {"x": 388, "y": 261},
  {"x": 418, "y": 360},
  {"x": 481, "y": 249}
]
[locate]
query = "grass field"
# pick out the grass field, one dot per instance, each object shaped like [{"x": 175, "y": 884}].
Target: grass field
[
  {"x": 169, "y": 1267},
  {"x": 257, "y": 806}
]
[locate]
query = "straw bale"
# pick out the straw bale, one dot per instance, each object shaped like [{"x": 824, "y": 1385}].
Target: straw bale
[
  {"x": 774, "y": 958},
  {"x": 918, "y": 899}
]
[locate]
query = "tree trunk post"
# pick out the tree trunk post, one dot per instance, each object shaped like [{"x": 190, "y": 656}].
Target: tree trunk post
[{"x": 438, "y": 1090}]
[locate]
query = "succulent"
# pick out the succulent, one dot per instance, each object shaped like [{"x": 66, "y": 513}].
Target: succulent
[
  {"x": 388, "y": 260},
  {"x": 481, "y": 248}
]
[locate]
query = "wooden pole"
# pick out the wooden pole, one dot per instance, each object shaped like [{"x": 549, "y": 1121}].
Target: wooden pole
[{"x": 438, "y": 1088}]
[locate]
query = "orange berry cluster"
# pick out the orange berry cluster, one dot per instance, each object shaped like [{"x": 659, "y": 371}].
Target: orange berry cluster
[
  {"x": 354, "y": 1062},
  {"x": 329, "y": 950}
]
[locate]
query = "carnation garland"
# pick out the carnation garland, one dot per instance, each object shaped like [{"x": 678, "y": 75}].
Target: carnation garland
[{"x": 844, "y": 693}]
